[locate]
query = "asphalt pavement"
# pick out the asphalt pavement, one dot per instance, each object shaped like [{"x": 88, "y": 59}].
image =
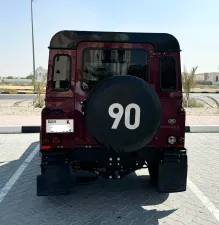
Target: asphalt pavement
[
  {"x": 17, "y": 96},
  {"x": 131, "y": 201}
]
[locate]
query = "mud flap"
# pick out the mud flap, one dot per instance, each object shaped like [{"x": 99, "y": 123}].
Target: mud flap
[
  {"x": 55, "y": 180},
  {"x": 172, "y": 172}
]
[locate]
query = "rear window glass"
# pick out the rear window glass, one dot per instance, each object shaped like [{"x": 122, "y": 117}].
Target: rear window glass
[
  {"x": 168, "y": 74},
  {"x": 99, "y": 64},
  {"x": 61, "y": 72}
]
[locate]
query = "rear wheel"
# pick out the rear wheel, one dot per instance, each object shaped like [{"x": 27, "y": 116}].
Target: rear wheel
[{"x": 153, "y": 172}]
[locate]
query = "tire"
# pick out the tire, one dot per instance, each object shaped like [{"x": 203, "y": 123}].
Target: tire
[
  {"x": 140, "y": 113},
  {"x": 153, "y": 172}
]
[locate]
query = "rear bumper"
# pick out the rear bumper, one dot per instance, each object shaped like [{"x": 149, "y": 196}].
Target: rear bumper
[
  {"x": 94, "y": 154},
  {"x": 102, "y": 156},
  {"x": 169, "y": 166}
]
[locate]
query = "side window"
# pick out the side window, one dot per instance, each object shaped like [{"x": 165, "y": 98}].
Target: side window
[
  {"x": 168, "y": 74},
  {"x": 61, "y": 72}
]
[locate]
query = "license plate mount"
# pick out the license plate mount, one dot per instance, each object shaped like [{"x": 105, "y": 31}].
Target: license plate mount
[{"x": 59, "y": 126}]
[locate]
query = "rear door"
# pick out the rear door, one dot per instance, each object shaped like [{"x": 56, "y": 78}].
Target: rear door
[
  {"x": 98, "y": 60},
  {"x": 169, "y": 89}
]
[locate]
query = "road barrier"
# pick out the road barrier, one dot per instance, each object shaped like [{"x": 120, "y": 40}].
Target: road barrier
[
  {"x": 14, "y": 129},
  {"x": 36, "y": 129}
]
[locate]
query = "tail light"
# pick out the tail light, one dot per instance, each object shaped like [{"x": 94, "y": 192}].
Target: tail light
[
  {"x": 45, "y": 147},
  {"x": 171, "y": 140},
  {"x": 45, "y": 141},
  {"x": 45, "y": 144},
  {"x": 181, "y": 111},
  {"x": 52, "y": 111},
  {"x": 45, "y": 110},
  {"x": 180, "y": 140},
  {"x": 56, "y": 140}
]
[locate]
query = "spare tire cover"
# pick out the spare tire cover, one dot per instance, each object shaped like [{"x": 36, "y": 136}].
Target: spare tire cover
[{"x": 123, "y": 113}]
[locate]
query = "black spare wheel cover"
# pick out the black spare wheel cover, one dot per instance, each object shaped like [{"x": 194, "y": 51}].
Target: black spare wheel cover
[{"x": 133, "y": 103}]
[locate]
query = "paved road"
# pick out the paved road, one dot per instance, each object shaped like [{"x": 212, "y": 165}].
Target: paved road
[
  {"x": 17, "y": 96},
  {"x": 30, "y": 97},
  {"x": 131, "y": 201},
  {"x": 203, "y": 96}
]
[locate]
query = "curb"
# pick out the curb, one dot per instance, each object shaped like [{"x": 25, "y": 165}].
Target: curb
[
  {"x": 204, "y": 92},
  {"x": 14, "y": 129},
  {"x": 202, "y": 129}
]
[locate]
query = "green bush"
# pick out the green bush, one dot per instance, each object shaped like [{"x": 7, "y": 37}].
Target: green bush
[
  {"x": 188, "y": 83},
  {"x": 192, "y": 103},
  {"x": 39, "y": 101},
  {"x": 205, "y": 82},
  {"x": 216, "y": 103}
]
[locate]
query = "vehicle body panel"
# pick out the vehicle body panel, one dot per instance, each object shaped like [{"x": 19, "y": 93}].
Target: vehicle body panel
[
  {"x": 70, "y": 101},
  {"x": 76, "y": 149}
]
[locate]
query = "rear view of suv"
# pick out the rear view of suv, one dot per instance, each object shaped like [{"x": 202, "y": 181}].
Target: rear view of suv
[{"x": 113, "y": 106}]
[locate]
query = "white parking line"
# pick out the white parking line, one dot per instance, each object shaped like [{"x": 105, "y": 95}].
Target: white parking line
[
  {"x": 206, "y": 202},
  {"x": 17, "y": 174}
]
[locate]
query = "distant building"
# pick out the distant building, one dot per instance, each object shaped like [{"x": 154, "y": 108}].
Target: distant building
[
  {"x": 40, "y": 74},
  {"x": 212, "y": 76}
]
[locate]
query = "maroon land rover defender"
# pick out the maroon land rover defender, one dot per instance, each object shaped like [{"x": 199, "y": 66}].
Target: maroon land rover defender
[{"x": 113, "y": 106}]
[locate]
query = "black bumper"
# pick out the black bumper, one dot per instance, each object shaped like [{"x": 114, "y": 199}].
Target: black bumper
[
  {"x": 99, "y": 154},
  {"x": 169, "y": 165}
]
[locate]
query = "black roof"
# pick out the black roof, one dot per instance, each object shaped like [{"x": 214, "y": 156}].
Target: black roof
[{"x": 69, "y": 39}]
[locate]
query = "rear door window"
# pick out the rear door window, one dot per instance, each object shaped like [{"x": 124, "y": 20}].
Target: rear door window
[
  {"x": 168, "y": 74},
  {"x": 99, "y": 64},
  {"x": 61, "y": 73}
]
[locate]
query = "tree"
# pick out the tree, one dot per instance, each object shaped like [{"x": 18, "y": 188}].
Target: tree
[
  {"x": 188, "y": 82},
  {"x": 9, "y": 77},
  {"x": 33, "y": 82},
  {"x": 30, "y": 77},
  {"x": 39, "y": 101}
]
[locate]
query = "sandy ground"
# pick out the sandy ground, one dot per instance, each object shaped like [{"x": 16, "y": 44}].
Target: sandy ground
[
  {"x": 18, "y": 108},
  {"x": 28, "y": 87},
  {"x": 16, "y": 88},
  {"x": 23, "y": 113},
  {"x": 207, "y": 111},
  {"x": 11, "y": 87},
  {"x": 206, "y": 89},
  {"x": 25, "y": 108}
]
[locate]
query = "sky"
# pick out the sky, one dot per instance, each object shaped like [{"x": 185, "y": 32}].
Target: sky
[{"x": 195, "y": 23}]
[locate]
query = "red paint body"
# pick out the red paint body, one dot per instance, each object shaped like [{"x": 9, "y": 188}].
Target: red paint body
[{"x": 69, "y": 101}]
